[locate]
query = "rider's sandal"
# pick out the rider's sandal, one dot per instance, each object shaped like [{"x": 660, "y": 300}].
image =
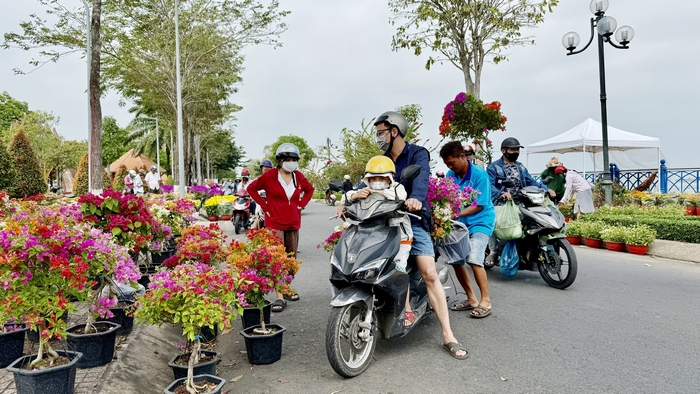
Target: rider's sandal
[
  {"x": 480, "y": 312},
  {"x": 278, "y": 306},
  {"x": 453, "y": 348},
  {"x": 410, "y": 318},
  {"x": 291, "y": 297}
]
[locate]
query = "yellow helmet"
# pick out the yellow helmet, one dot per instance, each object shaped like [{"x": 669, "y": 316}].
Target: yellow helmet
[{"x": 380, "y": 165}]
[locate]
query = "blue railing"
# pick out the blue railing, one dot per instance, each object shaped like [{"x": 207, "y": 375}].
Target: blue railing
[{"x": 681, "y": 180}]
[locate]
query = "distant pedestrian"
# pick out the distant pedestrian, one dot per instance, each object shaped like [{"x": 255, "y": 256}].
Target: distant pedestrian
[
  {"x": 554, "y": 182},
  {"x": 347, "y": 185},
  {"x": 129, "y": 182},
  {"x": 138, "y": 182},
  {"x": 578, "y": 186},
  {"x": 153, "y": 181}
]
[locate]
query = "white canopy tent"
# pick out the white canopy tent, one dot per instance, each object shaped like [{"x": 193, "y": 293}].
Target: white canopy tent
[{"x": 588, "y": 138}]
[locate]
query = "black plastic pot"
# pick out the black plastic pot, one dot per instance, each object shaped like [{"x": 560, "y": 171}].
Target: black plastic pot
[
  {"x": 158, "y": 258},
  {"x": 97, "y": 348},
  {"x": 145, "y": 280},
  {"x": 34, "y": 335},
  {"x": 121, "y": 317},
  {"x": 251, "y": 316},
  {"x": 208, "y": 334},
  {"x": 263, "y": 349},
  {"x": 11, "y": 345},
  {"x": 55, "y": 380},
  {"x": 198, "y": 378},
  {"x": 208, "y": 368}
]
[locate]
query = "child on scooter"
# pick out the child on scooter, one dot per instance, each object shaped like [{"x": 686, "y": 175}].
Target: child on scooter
[{"x": 380, "y": 184}]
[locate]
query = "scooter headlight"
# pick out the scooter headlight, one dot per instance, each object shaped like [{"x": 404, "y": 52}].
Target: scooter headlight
[
  {"x": 535, "y": 198},
  {"x": 370, "y": 270}
]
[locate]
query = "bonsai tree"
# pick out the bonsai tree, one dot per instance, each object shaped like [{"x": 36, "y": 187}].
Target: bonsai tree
[
  {"x": 199, "y": 244},
  {"x": 195, "y": 296},
  {"x": 80, "y": 184},
  {"x": 28, "y": 178},
  {"x": 264, "y": 267}
]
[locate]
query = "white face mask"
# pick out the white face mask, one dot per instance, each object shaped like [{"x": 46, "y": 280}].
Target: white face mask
[
  {"x": 381, "y": 143},
  {"x": 378, "y": 185},
  {"x": 290, "y": 166}
]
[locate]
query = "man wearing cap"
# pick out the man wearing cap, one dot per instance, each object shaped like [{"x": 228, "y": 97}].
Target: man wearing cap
[
  {"x": 153, "y": 181},
  {"x": 508, "y": 168},
  {"x": 347, "y": 185},
  {"x": 553, "y": 181},
  {"x": 470, "y": 153}
]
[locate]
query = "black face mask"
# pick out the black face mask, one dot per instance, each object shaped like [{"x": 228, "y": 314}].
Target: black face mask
[{"x": 512, "y": 156}]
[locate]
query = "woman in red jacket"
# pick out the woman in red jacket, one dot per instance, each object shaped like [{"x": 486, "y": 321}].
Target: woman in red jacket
[{"x": 283, "y": 187}]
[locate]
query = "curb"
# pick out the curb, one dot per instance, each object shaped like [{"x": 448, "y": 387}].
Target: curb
[{"x": 675, "y": 250}]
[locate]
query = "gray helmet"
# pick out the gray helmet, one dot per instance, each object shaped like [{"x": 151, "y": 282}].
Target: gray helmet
[
  {"x": 395, "y": 119},
  {"x": 287, "y": 149}
]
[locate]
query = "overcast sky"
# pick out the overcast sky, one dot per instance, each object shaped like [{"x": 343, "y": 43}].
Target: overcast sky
[{"x": 337, "y": 68}]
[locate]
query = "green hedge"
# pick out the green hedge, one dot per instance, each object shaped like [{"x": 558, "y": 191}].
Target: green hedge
[
  {"x": 684, "y": 229},
  {"x": 321, "y": 195}
]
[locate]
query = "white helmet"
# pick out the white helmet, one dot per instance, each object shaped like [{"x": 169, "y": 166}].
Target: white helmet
[
  {"x": 132, "y": 173},
  {"x": 347, "y": 177}
]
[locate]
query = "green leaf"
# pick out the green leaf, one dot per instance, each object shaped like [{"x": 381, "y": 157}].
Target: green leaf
[{"x": 116, "y": 231}]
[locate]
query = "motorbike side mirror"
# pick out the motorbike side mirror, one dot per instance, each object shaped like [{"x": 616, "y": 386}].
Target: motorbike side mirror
[
  {"x": 410, "y": 173},
  {"x": 547, "y": 180},
  {"x": 335, "y": 185}
]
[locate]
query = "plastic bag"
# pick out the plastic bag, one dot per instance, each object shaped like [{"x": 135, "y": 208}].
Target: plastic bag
[
  {"x": 455, "y": 247},
  {"x": 508, "y": 222},
  {"x": 547, "y": 202},
  {"x": 510, "y": 261}
]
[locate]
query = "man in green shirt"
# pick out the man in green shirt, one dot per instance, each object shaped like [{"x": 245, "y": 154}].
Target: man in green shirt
[{"x": 554, "y": 182}]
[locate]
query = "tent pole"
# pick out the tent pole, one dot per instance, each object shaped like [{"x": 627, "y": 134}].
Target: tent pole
[
  {"x": 584, "y": 161},
  {"x": 658, "y": 163}
]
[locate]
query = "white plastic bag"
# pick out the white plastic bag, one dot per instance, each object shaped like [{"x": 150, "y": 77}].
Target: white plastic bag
[{"x": 508, "y": 224}]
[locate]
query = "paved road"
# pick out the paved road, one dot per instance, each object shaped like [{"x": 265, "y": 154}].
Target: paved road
[{"x": 628, "y": 325}]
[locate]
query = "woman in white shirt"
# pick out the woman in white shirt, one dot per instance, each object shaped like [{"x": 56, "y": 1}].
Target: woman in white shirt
[{"x": 576, "y": 185}]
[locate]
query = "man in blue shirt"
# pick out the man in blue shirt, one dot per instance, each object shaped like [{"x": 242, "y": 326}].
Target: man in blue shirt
[
  {"x": 391, "y": 130},
  {"x": 479, "y": 219}
]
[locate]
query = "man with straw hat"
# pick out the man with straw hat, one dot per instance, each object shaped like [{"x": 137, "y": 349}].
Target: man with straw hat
[{"x": 554, "y": 182}]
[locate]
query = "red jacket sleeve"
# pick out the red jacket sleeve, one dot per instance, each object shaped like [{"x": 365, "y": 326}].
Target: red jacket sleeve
[
  {"x": 305, "y": 187},
  {"x": 259, "y": 184}
]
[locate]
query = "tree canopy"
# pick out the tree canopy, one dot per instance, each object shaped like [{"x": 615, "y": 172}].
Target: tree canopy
[
  {"x": 115, "y": 141},
  {"x": 307, "y": 154},
  {"x": 11, "y": 110},
  {"x": 465, "y": 32}
]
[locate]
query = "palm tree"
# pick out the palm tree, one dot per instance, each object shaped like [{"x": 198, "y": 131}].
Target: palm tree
[{"x": 142, "y": 131}]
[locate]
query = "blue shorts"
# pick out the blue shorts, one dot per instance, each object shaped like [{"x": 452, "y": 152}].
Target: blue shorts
[
  {"x": 422, "y": 243},
  {"x": 478, "y": 242}
]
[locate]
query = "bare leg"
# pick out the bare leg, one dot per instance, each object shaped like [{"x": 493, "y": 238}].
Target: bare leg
[
  {"x": 436, "y": 295},
  {"x": 463, "y": 277},
  {"x": 483, "y": 283}
]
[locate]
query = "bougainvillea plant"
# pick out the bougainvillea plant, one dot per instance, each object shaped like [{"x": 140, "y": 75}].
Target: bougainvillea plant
[
  {"x": 126, "y": 217},
  {"x": 329, "y": 243},
  {"x": 199, "y": 244},
  {"x": 447, "y": 200},
  {"x": 47, "y": 258},
  {"x": 468, "y": 119},
  {"x": 264, "y": 266},
  {"x": 194, "y": 296}
]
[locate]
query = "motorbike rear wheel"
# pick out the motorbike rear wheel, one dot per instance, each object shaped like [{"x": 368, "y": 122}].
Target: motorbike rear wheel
[
  {"x": 237, "y": 224},
  {"x": 348, "y": 354},
  {"x": 560, "y": 268}
]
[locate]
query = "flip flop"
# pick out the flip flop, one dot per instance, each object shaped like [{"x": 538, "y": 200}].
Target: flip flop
[
  {"x": 480, "y": 312},
  {"x": 462, "y": 306},
  {"x": 293, "y": 297},
  {"x": 410, "y": 318},
  {"x": 278, "y": 306},
  {"x": 453, "y": 348}
]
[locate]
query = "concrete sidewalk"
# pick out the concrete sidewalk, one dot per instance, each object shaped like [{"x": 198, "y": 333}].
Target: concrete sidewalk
[{"x": 675, "y": 250}]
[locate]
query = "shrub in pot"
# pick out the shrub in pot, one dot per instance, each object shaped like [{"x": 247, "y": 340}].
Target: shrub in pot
[
  {"x": 265, "y": 267},
  {"x": 195, "y": 296},
  {"x": 638, "y": 239},
  {"x": 202, "y": 244},
  {"x": 591, "y": 232},
  {"x": 574, "y": 232},
  {"x": 614, "y": 237}
]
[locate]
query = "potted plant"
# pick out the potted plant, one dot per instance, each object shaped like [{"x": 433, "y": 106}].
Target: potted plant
[
  {"x": 226, "y": 209},
  {"x": 195, "y": 296},
  {"x": 44, "y": 269},
  {"x": 614, "y": 238},
  {"x": 264, "y": 266},
  {"x": 199, "y": 244},
  {"x": 11, "y": 337},
  {"x": 574, "y": 232},
  {"x": 591, "y": 233},
  {"x": 638, "y": 239},
  {"x": 212, "y": 212}
]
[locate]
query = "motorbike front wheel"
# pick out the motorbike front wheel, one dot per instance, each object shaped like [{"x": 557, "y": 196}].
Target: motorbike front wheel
[
  {"x": 237, "y": 224},
  {"x": 560, "y": 266},
  {"x": 347, "y": 352}
]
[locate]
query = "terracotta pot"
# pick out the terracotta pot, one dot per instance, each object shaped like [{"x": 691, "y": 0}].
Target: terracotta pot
[
  {"x": 213, "y": 218},
  {"x": 574, "y": 240},
  {"x": 697, "y": 211},
  {"x": 615, "y": 246},
  {"x": 638, "y": 249},
  {"x": 567, "y": 221},
  {"x": 593, "y": 243},
  {"x": 690, "y": 211},
  {"x": 226, "y": 217}
]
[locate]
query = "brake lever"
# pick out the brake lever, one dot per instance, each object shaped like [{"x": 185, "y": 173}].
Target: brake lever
[{"x": 409, "y": 214}]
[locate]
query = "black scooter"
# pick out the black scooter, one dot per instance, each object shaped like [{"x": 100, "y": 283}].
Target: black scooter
[{"x": 369, "y": 294}]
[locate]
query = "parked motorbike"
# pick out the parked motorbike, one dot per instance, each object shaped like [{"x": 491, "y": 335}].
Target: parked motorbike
[
  {"x": 330, "y": 197},
  {"x": 241, "y": 211},
  {"x": 369, "y": 294},
  {"x": 543, "y": 247}
]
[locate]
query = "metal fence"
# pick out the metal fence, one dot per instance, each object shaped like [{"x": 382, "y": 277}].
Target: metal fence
[{"x": 681, "y": 180}]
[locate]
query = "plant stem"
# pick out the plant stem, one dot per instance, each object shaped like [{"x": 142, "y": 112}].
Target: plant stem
[
  {"x": 194, "y": 359},
  {"x": 262, "y": 320},
  {"x": 89, "y": 327}
]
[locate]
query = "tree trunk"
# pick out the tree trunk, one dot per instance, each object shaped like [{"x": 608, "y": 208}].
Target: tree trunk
[{"x": 95, "y": 106}]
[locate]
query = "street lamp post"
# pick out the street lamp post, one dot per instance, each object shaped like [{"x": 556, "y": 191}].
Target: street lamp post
[
  {"x": 605, "y": 27},
  {"x": 180, "y": 140},
  {"x": 328, "y": 145}
]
